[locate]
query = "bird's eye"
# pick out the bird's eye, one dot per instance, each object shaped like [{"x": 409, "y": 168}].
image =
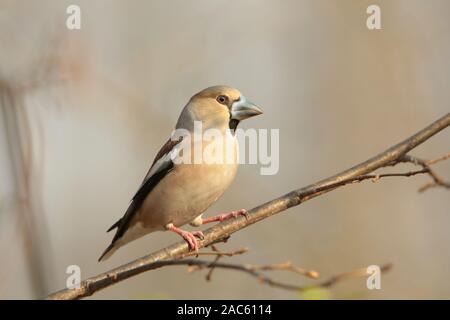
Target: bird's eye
[{"x": 222, "y": 99}]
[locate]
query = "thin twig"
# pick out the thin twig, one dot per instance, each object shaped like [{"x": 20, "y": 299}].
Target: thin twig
[
  {"x": 434, "y": 161},
  {"x": 357, "y": 273},
  {"x": 284, "y": 266},
  {"x": 217, "y": 253},
  {"x": 288, "y": 266},
  {"x": 253, "y": 270},
  {"x": 437, "y": 180}
]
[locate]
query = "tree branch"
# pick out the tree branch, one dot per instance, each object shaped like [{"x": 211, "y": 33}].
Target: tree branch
[{"x": 391, "y": 156}]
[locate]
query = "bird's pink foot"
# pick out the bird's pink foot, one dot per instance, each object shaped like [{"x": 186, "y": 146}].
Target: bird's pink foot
[
  {"x": 189, "y": 237},
  {"x": 226, "y": 216}
]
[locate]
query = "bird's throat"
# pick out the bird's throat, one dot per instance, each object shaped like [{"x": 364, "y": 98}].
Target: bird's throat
[{"x": 233, "y": 123}]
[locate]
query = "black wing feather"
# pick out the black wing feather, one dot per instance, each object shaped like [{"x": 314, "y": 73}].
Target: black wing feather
[{"x": 138, "y": 199}]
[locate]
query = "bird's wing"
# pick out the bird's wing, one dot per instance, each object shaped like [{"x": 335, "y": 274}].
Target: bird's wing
[{"x": 160, "y": 167}]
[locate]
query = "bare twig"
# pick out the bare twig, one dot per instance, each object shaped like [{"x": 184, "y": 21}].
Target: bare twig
[
  {"x": 425, "y": 164},
  {"x": 285, "y": 266},
  {"x": 218, "y": 255},
  {"x": 288, "y": 266},
  {"x": 226, "y": 228},
  {"x": 211, "y": 270},
  {"x": 357, "y": 273},
  {"x": 216, "y": 252},
  {"x": 434, "y": 161},
  {"x": 254, "y": 271}
]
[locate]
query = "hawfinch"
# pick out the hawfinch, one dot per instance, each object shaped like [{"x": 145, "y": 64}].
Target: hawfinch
[{"x": 178, "y": 188}]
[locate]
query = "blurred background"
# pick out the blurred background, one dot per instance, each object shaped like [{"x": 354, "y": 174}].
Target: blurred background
[{"x": 83, "y": 112}]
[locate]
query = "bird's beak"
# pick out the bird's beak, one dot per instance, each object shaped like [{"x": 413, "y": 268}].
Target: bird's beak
[{"x": 243, "y": 109}]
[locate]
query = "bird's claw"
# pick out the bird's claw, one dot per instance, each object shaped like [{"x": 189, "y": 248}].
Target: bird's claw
[
  {"x": 189, "y": 237},
  {"x": 191, "y": 240},
  {"x": 245, "y": 214},
  {"x": 199, "y": 234},
  {"x": 235, "y": 214}
]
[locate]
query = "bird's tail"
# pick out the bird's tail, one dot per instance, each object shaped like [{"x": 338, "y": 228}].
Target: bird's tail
[{"x": 108, "y": 252}]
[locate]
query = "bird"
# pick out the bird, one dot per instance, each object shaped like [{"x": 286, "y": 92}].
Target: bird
[{"x": 177, "y": 190}]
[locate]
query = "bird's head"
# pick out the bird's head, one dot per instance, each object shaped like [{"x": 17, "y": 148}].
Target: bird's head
[{"x": 221, "y": 105}]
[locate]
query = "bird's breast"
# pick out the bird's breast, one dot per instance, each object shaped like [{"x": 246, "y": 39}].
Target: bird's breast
[{"x": 189, "y": 189}]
